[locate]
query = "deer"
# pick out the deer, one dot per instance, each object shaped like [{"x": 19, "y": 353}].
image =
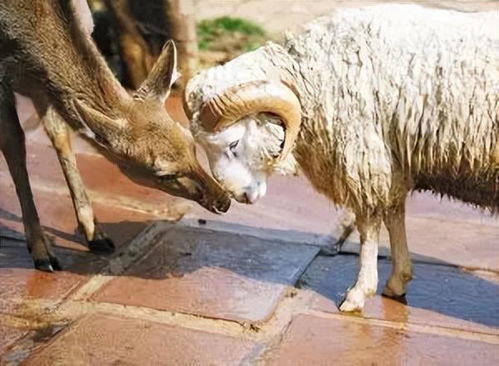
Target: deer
[{"x": 46, "y": 54}]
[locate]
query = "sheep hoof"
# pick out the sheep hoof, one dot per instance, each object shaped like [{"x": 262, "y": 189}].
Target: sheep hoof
[
  {"x": 353, "y": 303},
  {"x": 104, "y": 245},
  {"x": 390, "y": 294},
  {"x": 329, "y": 251},
  {"x": 349, "y": 307}
]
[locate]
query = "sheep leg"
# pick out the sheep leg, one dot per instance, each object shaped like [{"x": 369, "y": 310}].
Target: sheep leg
[
  {"x": 12, "y": 144},
  {"x": 401, "y": 261},
  {"x": 59, "y": 134},
  {"x": 367, "y": 278},
  {"x": 345, "y": 227}
]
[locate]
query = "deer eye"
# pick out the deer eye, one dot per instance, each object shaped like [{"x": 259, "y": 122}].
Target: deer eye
[{"x": 167, "y": 177}]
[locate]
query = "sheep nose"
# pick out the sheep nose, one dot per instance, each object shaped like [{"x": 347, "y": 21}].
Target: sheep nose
[
  {"x": 246, "y": 197},
  {"x": 250, "y": 197}
]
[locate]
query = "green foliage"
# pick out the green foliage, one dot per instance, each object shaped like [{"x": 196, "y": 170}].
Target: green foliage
[{"x": 224, "y": 33}]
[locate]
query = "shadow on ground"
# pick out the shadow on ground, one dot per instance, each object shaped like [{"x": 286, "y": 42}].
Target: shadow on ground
[{"x": 272, "y": 257}]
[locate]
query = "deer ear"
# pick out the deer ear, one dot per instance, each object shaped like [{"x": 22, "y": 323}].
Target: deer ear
[
  {"x": 96, "y": 124},
  {"x": 162, "y": 76}
]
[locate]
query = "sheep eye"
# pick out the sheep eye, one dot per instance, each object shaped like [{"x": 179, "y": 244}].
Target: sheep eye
[
  {"x": 232, "y": 146},
  {"x": 275, "y": 154}
]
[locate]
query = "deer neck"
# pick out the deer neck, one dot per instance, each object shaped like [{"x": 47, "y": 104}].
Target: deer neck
[
  {"x": 68, "y": 66},
  {"x": 88, "y": 81}
]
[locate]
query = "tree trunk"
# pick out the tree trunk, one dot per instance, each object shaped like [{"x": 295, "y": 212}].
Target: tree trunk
[
  {"x": 180, "y": 17},
  {"x": 144, "y": 26},
  {"x": 134, "y": 50}
]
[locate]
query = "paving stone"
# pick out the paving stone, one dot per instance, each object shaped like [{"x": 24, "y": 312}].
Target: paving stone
[
  {"x": 57, "y": 216},
  {"x": 438, "y": 230},
  {"x": 280, "y": 209},
  {"x": 103, "y": 339},
  {"x": 8, "y": 335},
  {"x": 20, "y": 283},
  {"x": 211, "y": 274},
  {"x": 430, "y": 206},
  {"x": 460, "y": 242},
  {"x": 109, "y": 183},
  {"x": 314, "y": 340},
  {"x": 438, "y": 295}
]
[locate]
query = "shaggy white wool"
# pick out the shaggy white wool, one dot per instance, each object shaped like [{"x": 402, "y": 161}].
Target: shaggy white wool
[
  {"x": 410, "y": 91},
  {"x": 394, "y": 98}
]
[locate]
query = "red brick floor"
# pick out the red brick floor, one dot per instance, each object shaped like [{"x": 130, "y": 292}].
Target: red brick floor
[
  {"x": 245, "y": 288},
  {"x": 9, "y": 335},
  {"x": 322, "y": 341},
  {"x": 103, "y": 339},
  {"x": 197, "y": 272}
]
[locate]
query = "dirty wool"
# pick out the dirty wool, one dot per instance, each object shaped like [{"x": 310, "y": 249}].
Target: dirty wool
[{"x": 394, "y": 98}]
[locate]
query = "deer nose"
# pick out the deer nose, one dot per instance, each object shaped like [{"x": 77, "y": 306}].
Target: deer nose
[
  {"x": 223, "y": 204},
  {"x": 248, "y": 197},
  {"x": 218, "y": 206}
]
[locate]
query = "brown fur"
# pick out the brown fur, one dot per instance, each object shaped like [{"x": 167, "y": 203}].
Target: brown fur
[{"x": 46, "y": 55}]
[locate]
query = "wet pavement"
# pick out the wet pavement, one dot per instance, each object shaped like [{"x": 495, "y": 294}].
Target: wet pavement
[{"x": 250, "y": 287}]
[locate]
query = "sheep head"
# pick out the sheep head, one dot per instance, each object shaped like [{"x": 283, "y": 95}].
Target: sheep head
[{"x": 247, "y": 130}]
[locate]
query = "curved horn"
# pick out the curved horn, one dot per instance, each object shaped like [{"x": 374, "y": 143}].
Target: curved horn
[{"x": 242, "y": 100}]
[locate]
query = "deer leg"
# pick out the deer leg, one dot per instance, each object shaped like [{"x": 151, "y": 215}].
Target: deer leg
[
  {"x": 401, "y": 261},
  {"x": 367, "y": 278},
  {"x": 12, "y": 144},
  {"x": 59, "y": 134}
]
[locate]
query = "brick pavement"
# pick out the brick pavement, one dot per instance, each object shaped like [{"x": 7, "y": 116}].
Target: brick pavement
[{"x": 185, "y": 294}]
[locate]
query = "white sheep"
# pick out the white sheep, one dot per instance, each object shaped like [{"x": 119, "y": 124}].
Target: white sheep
[{"x": 370, "y": 104}]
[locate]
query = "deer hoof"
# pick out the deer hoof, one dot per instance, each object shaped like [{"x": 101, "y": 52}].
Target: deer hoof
[
  {"x": 56, "y": 265},
  {"x": 104, "y": 245},
  {"x": 49, "y": 264},
  {"x": 44, "y": 265}
]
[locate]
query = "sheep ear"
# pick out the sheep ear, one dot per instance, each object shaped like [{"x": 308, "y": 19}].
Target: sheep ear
[{"x": 162, "y": 76}]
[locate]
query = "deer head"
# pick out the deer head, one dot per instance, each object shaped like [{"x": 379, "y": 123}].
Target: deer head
[{"x": 147, "y": 144}]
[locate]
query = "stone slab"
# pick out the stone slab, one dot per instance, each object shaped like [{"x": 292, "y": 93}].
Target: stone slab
[
  {"x": 103, "y": 339},
  {"x": 20, "y": 283},
  {"x": 438, "y": 295},
  {"x": 219, "y": 275},
  {"x": 314, "y": 340}
]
